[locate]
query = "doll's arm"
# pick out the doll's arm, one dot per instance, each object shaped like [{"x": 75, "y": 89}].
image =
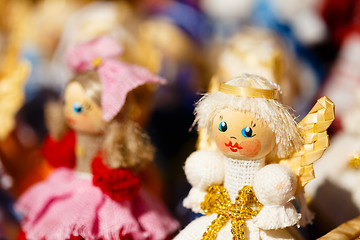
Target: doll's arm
[
  {"x": 202, "y": 169},
  {"x": 275, "y": 187},
  {"x": 55, "y": 120}
]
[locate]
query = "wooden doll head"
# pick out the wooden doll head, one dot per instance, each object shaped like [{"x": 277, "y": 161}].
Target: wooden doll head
[
  {"x": 124, "y": 145},
  {"x": 82, "y": 108},
  {"x": 240, "y": 135},
  {"x": 249, "y": 109}
]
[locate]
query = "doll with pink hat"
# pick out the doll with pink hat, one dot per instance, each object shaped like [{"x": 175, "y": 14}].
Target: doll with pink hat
[{"x": 96, "y": 149}]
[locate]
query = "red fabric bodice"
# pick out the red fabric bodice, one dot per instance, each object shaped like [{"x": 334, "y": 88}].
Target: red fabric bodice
[
  {"x": 60, "y": 153},
  {"x": 119, "y": 184}
]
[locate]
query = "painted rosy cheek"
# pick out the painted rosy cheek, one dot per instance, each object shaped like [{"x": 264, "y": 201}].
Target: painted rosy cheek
[
  {"x": 70, "y": 120},
  {"x": 250, "y": 148},
  {"x": 220, "y": 142},
  {"x": 79, "y": 120}
]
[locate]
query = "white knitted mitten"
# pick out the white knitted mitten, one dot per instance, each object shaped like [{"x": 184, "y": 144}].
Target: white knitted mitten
[
  {"x": 194, "y": 199},
  {"x": 274, "y": 187}
]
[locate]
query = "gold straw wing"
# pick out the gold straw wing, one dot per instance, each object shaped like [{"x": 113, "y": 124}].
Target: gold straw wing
[{"x": 314, "y": 130}]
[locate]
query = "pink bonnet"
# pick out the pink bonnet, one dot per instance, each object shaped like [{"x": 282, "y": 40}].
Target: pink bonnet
[{"x": 117, "y": 78}]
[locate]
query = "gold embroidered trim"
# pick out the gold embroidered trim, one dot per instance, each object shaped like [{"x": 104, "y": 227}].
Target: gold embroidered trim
[
  {"x": 217, "y": 200},
  {"x": 249, "y": 92}
]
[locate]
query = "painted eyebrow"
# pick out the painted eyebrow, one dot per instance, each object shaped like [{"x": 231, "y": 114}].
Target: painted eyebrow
[
  {"x": 87, "y": 106},
  {"x": 253, "y": 124},
  {"x": 221, "y": 117}
]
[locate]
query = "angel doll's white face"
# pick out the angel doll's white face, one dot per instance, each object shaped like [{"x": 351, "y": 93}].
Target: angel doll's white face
[
  {"x": 81, "y": 113},
  {"x": 239, "y": 135}
]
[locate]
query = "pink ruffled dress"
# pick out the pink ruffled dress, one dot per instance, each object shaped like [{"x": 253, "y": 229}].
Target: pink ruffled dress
[{"x": 70, "y": 204}]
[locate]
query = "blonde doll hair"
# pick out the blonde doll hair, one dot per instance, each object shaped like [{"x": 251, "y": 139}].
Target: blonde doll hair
[
  {"x": 272, "y": 112},
  {"x": 124, "y": 144}
]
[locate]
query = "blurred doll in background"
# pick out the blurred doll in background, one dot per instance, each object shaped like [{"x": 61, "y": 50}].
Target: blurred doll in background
[
  {"x": 92, "y": 20},
  {"x": 120, "y": 20},
  {"x": 289, "y": 19},
  {"x": 261, "y": 52},
  {"x": 14, "y": 72},
  {"x": 37, "y": 25},
  {"x": 94, "y": 192}
]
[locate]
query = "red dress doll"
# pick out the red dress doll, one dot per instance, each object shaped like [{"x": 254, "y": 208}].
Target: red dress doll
[{"x": 93, "y": 193}]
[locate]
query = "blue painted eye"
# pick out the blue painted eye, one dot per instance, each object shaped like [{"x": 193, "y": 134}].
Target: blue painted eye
[
  {"x": 247, "y": 132},
  {"x": 77, "y": 108},
  {"x": 223, "y": 126}
]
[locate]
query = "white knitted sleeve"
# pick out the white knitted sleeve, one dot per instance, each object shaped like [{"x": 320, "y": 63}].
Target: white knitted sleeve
[
  {"x": 275, "y": 186},
  {"x": 203, "y": 169}
]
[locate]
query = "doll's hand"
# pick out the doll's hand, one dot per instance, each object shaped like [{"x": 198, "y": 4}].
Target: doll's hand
[
  {"x": 204, "y": 168},
  {"x": 194, "y": 199},
  {"x": 274, "y": 187}
]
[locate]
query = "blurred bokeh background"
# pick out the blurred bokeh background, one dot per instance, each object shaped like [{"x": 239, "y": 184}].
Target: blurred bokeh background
[{"x": 310, "y": 48}]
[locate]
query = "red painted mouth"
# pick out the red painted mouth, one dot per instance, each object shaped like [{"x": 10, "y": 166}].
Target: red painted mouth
[{"x": 233, "y": 148}]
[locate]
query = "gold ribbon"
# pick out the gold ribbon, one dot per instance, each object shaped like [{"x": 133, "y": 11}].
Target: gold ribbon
[
  {"x": 250, "y": 92},
  {"x": 217, "y": 200}
]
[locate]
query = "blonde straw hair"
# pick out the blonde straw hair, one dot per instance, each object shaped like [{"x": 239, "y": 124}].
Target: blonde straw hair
[{"x": 272, "y": 112}]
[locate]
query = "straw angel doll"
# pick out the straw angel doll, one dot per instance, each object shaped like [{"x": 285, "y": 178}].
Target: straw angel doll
[
  {"x": 94, "y": 192},
  {"x": 241, "y": 193}
]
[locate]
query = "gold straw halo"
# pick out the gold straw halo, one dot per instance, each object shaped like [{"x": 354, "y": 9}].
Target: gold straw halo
[{"x": 250, "y": 92}]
